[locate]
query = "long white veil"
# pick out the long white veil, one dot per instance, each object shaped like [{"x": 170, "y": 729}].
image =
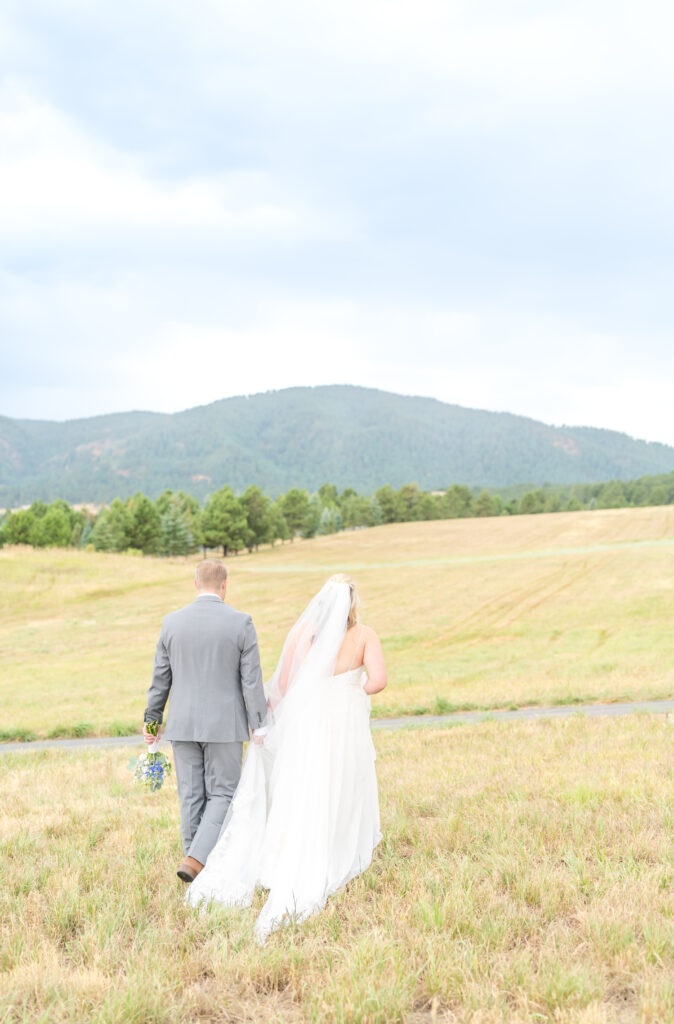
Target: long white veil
[
  {"x": 237, "y": 862},
  {"x": 312, "y": 645}
]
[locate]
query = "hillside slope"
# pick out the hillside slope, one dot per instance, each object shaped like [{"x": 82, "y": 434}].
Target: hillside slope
[{"x": 350, "y": 436}]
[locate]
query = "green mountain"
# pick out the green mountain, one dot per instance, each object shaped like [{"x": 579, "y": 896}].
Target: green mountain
[{"x": 349, "y": 436}]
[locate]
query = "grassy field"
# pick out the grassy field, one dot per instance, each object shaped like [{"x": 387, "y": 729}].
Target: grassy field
[
  {"x": 526, "y": 875},
  {"x": 472, "y": 613}
]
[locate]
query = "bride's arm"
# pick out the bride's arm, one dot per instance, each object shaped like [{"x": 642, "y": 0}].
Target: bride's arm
[
  {"x": 373, "y": 659},
  {"x": 288, "y": 658},
  {"x": 294, "y": 650}
]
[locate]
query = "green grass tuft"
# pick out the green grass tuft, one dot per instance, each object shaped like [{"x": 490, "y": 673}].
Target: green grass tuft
[
  {"x": 123, "y": 728},
  {"x": 71, "y": 732},
  {"x": 19, "y": 735}
]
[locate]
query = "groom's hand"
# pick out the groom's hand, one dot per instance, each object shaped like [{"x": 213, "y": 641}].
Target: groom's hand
[
  {"x": 258, "y": 737},
  {"x": 148, "y": 737}
]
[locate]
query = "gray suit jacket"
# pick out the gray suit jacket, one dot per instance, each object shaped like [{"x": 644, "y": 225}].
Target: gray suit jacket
[{"x": 207, "y": 657}]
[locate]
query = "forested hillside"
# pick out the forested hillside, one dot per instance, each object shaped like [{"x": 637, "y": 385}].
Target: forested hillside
[{"x": 301, "y": 437}]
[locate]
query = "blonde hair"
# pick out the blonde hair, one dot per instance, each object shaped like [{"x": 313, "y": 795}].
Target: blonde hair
[
  {"x": 354, "y": 610},
  {"x": 210, "y": 574}
]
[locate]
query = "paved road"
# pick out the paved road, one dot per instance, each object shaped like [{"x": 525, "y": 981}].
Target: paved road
[
  {"x": 416, "y": 722},
  {"x": 591, "y": 710}
]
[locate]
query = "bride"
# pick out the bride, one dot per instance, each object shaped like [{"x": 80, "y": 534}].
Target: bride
[{"x": 305, "y": 817}]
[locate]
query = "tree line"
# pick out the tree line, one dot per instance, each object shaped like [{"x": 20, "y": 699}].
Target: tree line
[{"x": 177, "y": 524}]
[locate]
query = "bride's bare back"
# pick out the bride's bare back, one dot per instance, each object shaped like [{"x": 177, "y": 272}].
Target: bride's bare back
[{"x": 362, "y": 647}]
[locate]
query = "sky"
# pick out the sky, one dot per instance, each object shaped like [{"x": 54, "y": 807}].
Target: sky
[{"x": 467, "y": 200}]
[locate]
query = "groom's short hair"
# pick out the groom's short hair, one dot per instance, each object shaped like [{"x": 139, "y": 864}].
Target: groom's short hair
[{"x": 210, "y": 574}]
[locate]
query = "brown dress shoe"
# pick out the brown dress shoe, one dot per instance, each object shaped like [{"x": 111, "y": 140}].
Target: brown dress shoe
[{"x": 189, "y": 869}]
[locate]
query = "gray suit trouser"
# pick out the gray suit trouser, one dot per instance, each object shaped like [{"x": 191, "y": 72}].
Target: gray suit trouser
[{"x": 207, "y": 776}]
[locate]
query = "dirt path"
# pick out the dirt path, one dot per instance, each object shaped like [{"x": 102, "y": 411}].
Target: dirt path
[{"x": 416, "y": 722}]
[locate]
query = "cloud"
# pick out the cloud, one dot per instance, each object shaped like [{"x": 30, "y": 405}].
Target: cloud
[
  {"x": 452, "y": 66},
  {"x": 547, "y": 368},
  {"x": 55, "y": 180},
  {"x": 467, "y": 201}
]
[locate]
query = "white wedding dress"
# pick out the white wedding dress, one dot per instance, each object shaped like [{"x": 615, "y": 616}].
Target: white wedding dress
[{"x": 305, "y": 817}]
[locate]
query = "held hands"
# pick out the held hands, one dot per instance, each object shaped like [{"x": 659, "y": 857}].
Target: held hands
[{"x": 259, "y": 735}]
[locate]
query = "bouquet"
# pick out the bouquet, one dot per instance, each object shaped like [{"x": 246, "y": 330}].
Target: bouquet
[{"x": 152, "y": 768}]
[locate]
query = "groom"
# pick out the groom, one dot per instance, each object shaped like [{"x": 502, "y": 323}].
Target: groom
[{"x": 207, "y": 657}]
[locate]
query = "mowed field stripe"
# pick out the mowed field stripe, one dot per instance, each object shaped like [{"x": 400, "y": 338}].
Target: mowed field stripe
[{"x": 462, "y": 559}]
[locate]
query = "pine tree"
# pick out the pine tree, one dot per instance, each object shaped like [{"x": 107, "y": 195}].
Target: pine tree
[
  {"x": 483, "y": 505},
  {"x": 224, "y": 522},
  {"x": 144, "y": 526},
  {"x": 295, "y": 506},
  {"x": 257, "y": 509},
  {"x": 456, "y": 503},
  {"x": 388, "y": 504},
  {"x": 102, "y": 536},
  {"x": 111, "y": 531},
  {"x": 19, "y": 526},
  {"x": 175, "y": 535},
  {"x": 52, "y": 530},
  {"x": 164, "y": 501},
  {"x": 312, "y": 519},
  {"x": 327, "y": 522},
  {"x": 375, "y": 512},
  {"x": 279, "y": 527},
  {"x": 328, "y": 495}
]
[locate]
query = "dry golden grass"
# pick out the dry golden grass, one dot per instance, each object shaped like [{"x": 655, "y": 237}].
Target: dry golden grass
[
  {"x": 483, "y": 613},
  {"x": 526, "y": 875}
]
